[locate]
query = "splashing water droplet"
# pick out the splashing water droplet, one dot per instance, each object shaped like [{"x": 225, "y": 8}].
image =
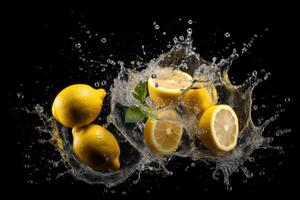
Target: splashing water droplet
[
  {"x": 164, "y": 33},
  {"x": 267, "y": 75},
  {"x": 77, "y": 45},
  {"x": 255, "y": 107},
  {"x": 103, "y": 40},
  {"x": 190, "y": 21},
  {"x": 287, "y": 99},
  {"x": 181, "y": 38},
  {"x": 103, "y": 83},
  {"x": 227, "y": 34},
  {"x": 156, "y": 26},
  {"x": 97, "y": 84},
  {"x": 20, "y": 95}
]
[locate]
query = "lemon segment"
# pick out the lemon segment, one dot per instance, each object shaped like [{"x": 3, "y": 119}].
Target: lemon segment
[
  {"x": 78, "y": 105},
  {"x": 167, "y": 84},
  {"x": 162, "y": 136},
  {"x": 96, "y": 147},
  {"x": 221, "y": 128},
  {"x": 200, "y": 99}
]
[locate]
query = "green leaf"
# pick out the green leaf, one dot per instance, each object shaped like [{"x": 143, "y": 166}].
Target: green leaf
[
  {"x": 140, "y": 91},
  {"x": 134, "y": 114}
]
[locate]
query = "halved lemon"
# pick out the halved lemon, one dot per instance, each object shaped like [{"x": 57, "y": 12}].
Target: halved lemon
[
  {"x": 167, "y": 84},
  {"x": 221, "y": 128},
  {"x": 163, "y": 136}
]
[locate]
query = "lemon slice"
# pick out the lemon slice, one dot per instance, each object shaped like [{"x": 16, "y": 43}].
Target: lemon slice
[
  {"x": 221, "y": 124},
  {"x": 167, "y": 84},
  {"x": 162, "y": 136}
]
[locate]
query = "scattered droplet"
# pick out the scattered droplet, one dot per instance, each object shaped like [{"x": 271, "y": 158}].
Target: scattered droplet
[
  {"x": 193, "y": 164},
  {"x": 267, "y": 75},
  {"x": 244, "y": 50},
  {"x": 227, "y": 34},
  {"x": 287, "y": 99},
  {"x": 164, "y": 33},
  {"x": 190, "y": 21},
  {"x": 20, "y": 95},
  {"x": 77, "y": 45},
  {"x": 97, "y": 84},
  {"x": 103, "y": 40},
  {"x": 103, "y": 83},
  {"x": 124, "y": 193},
  {"x": 156, "y": 26},
  {"x": 181, "y": 38},
  {"x": 255, "y": 107}
]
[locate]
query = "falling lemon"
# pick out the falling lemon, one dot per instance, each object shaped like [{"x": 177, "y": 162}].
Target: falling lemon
[
  {"x": 199, "y": 97},
  {"x": 167, "y": 84},
  {"x": 78, "y": 105},
  {"x": 163, "y": 136},
  {"x": 221, "y": 129},
  {"x": 96, "y": 147}
]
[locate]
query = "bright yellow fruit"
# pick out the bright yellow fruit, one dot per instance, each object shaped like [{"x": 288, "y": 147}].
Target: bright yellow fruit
[
  {"x": 221, "y": 128},
  {"x": 163, "y": 136},
  {"x": 167, "y": 84},
  {"x": 96, "y": 147},
  {"x": 78, "y": 105},
  {"x": 200, "y": 99}
]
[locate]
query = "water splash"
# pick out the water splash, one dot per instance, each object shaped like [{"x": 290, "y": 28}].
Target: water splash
[{"x": 137, "y": 157}]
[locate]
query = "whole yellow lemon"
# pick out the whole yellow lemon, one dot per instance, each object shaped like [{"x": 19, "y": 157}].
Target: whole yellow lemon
[{"x": 78, "y": 105}]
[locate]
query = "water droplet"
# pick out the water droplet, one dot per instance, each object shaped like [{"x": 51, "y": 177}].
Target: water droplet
[
  {"x": 190, "y": 21},
  {"x": 124, "y": 193},
  {"x": 175, "y": 40},
  {"x": 148, "y": 191},
  {"x": 262, "y": 173},
  {"x": 48, "y": 179},
  {"x": 287, "y": 99},
  {"x": 88, "y": 32},
  {"x": 156, "y": 26},
  {"x": 153, "y": 76},
  {"x": 30, "y": 181},
  {"x": 20, "y": 95},
  {"x": 97, "y": 84},
  {"x": 263, "y": 106},
  {"x": 193, "y": 164},
  {"x": 254, "y": 73},
  {"x": 244, "y": 50},
  {"x": 27, "y": 166},
  {"x": 278, "y": 105},
  {"x": 27, "y": 156},
  {"x": 103, "y": 83},
  {"x": 227, "y": 34},
  {"x": 109, "y": 61},
  {"x": 245, "y": 181},
  {"x": 164, "y": 33},
  {"x": 267, "y": 75},
  {"x": 78, "y": 45},
  {"x": 103, "y": 69},
  {"x": 255, "y": 107},
  {"x": 181, "y": 38},
  {"x": 156, "y": 84},
  {"x": 103, "y": 40},
  {"x": 113, "y": 191}
]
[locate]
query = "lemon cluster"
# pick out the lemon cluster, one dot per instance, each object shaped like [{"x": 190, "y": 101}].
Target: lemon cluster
[
  {"x": 76, "y": 107},
  {"x": 218, "y": 122}
]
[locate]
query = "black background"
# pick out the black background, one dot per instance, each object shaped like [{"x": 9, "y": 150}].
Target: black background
[{"x": 45, "y": 56}]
